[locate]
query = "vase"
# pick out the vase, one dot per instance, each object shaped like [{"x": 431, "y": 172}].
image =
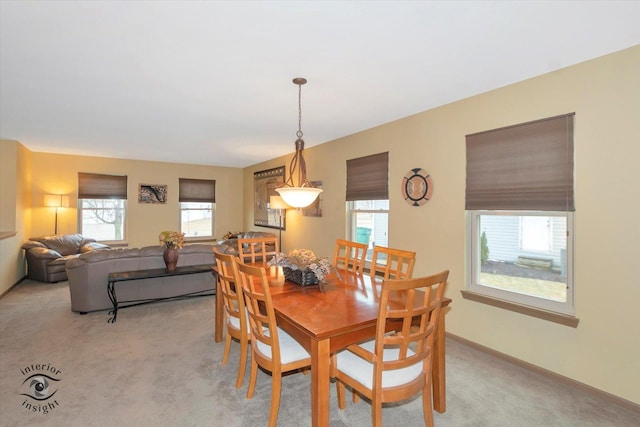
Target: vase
[{"x": 171, "y": 258}]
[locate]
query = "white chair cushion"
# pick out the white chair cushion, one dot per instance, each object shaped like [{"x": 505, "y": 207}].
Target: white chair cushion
[
  {"x": 290, "y": 349},
  {"x": 362, "y": 370},
  {"x": 236, "y": 323}
]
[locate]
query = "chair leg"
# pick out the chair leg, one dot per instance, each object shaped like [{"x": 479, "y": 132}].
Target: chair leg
[
  {"x": 252, "y": 378},
  {"x": 227, "y": 348},
  {"x": 244, "y": 345},
  {"x": 276, "y": 386},
  {"x": 340, "y": 392},
  {"x": 427, "y": 405},
  {"x": 376, "y": 413}
]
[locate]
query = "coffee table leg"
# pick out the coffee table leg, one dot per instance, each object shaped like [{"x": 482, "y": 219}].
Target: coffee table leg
[{"x": 111, "y": 290}]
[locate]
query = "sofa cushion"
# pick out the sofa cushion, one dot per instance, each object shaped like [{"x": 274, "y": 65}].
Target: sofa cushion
[
  {"x": 152, "y": 250},
  {"x": 92, "y": 246},
  {"x": 96, "y": 256},
  {"x": 187, "y": 249},
  {"x": 62, "y": 260},
  {"x": 65, "y": 244}
]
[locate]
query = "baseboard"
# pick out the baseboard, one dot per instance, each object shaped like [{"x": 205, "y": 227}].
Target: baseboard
[
  {"x": 12, "y": 286},
  {"x": 560, "y": 378}
]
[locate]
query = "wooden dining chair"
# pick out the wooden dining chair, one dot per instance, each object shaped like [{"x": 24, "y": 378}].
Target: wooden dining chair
[
  {"x": 236, "y": 317},
  {"x": 257, "y": 249},
  {"x": 394, "y": 367},
  {"x": 392, "y": 263},
  {"x": 349, "y": 255},
  {"x": 271, "y": 347}
]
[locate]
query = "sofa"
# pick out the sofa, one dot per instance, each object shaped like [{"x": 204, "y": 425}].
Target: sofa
[
  {"x": 229, "y": 245},
  {"x": 47, "y": 255},
  {"x": 89, "y": 275}
]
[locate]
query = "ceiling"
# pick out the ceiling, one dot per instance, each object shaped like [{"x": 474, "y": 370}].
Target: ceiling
[{"x": 210, "y": 82}]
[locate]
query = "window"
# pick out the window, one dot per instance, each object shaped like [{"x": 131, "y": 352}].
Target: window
[
  {"x": 102, "y": 201},
  {"x": 368, "y": 200},
  {"x": 520, "y": 210},
  {"x": 197, "y": 204},
  {"x": 368, "y": 223},
  {"x": 508, "y": 267}
]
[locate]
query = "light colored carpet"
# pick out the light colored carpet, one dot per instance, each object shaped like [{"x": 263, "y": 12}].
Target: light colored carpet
[{"x": 159, "y": 365}]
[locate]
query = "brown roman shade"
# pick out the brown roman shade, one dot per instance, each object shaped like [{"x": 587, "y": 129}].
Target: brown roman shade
[
  {"x": 523, "y": 167},
  {"x": 368, "y": 177},
  {"x": 98, "y": 186},
  {"x": 197, "y": 190}
]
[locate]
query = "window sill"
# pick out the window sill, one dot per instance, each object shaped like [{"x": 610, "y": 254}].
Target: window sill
[
  {"x": 206, "y": 239},
  {"x": 550, "y": 316}
]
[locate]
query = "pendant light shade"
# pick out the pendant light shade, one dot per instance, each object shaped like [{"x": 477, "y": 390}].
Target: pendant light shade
[
  {"x": 299, "y": 197},
  {"x": 302, "y": 193}
]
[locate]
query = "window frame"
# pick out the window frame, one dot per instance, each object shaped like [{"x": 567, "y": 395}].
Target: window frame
[
  {"x": 195, "y": 190},
  {"x": 112, "y": 242},
  {"x": 96, "y": 186},
  {"x": 473, "y": 272},
  {"x": 522, "y": 168},
  {"x": 352, "y": 223},
  {"x": 213, "y": 221}
]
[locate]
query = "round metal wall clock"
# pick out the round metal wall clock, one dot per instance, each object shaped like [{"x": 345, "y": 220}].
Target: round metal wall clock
[{"x": 417, "y": 187}]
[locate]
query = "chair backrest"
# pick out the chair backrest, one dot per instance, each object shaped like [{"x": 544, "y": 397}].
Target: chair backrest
[
  {"x": 392, "y": 263},
  {"x": 257, "y": 249},
  {"x": 412, "y": 306},
  {"x": 262, "y": 318},
  {"x": 349, "y": 255},
  {"x": 229, "y": 280}
]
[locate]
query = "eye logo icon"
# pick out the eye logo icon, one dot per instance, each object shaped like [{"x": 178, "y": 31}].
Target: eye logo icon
[{"x": 40, "y": 387}]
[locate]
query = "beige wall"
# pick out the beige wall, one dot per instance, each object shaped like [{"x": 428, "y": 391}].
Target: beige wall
[
  {"x": 15, "y": 197},
  {"x": 604, "y": 350},
  {"x": 58, "y": 174}
]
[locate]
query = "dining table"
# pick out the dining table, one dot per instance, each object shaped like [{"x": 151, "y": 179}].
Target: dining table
[{"x": 326, "y": 318}]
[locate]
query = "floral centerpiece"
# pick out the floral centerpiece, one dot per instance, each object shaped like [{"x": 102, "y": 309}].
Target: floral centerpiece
[
  {"x": 172, "y": 239},
  {"x": 302, "y": 266}
]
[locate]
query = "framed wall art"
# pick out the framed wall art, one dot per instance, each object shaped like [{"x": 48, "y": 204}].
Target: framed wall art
[
  {"x": 315, "y": 208},
  {"x": 264, "y": 186},
  {"x": 152, "y": 193}
]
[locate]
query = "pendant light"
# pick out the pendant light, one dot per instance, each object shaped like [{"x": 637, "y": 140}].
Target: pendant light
[{"x": 298, "y": 194}]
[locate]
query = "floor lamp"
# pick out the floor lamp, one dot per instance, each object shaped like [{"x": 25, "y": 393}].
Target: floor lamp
[
  {"x": 276, "y": 202},
  {"x": 56, "y": 201}
]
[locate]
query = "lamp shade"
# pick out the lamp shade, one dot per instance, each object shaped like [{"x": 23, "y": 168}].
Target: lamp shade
[
  {"x": 299, "y": 197},
  {"x": 276, "y": 202},
  {"x": 56, "y": 200}
]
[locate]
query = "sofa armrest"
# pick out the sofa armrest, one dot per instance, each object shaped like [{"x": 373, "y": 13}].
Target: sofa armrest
[
  {"x": 42, "y": 253},
  {"x": 32, "y": 244},
  {"x": 37, "y": 260}
]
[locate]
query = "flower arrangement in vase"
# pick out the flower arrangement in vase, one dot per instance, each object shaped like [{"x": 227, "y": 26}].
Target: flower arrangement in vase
[
  {"x": 302, "y": 266},
  {"x": 172, "y": 241}
]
